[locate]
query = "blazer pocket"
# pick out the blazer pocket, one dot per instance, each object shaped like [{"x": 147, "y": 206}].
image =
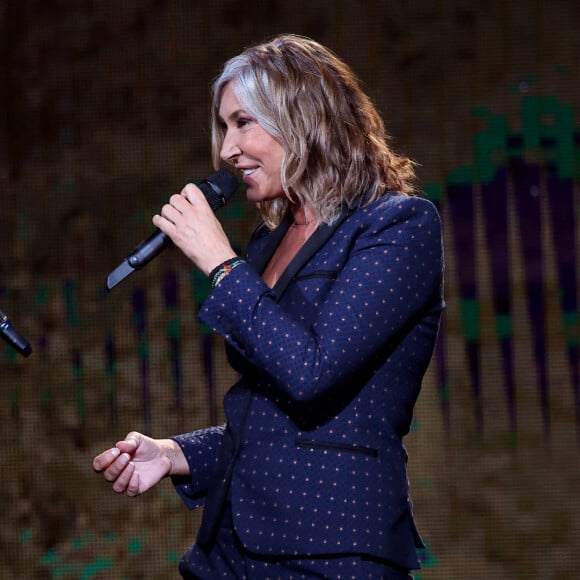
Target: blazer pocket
[
  {"x": 324, "y": 274},
  {"x": 315, "y": 284},
  {"x": 329, "y": 445}
]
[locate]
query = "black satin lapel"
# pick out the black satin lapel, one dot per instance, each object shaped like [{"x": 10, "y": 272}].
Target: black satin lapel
[
  {"x": 312, "y": 245},
  {"x": 262, "y": 255}
]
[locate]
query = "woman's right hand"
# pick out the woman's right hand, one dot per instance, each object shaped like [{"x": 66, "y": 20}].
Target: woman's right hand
[{"x": 139, "y": 462}]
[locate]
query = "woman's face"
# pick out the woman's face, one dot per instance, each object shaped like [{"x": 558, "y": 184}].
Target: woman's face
[{"x": 251, "y": 149}]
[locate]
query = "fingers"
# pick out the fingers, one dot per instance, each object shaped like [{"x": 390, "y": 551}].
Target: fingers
[
  {"x": 117, "y": 465},
  {"x": 167, "y": 216},
  {"x": 191, "y": 193},
  {"x": 172, "y": 214},
  {"x": 134, "y": 484},
  {"x": 104, "y": 459},
  {"x": 185, "y": 219},
  {"x": 190, "y": 197},
  {"x": 121, "y": 479},
  {"x": 175, "y": 208},
  {"x": 122, "y": 474}
]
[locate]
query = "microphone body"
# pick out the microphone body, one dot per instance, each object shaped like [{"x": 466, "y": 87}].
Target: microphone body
[
  {"x": 149, "y": 249},
  {"x": 218, "y": 188},
  {"x": 12, "y": 337}
]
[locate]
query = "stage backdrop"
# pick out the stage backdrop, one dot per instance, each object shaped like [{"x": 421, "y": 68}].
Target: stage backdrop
[{"x": 104, "y": 114}]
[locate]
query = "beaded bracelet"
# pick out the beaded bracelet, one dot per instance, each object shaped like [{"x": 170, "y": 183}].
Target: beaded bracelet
[{"x": 223, "y": 269}]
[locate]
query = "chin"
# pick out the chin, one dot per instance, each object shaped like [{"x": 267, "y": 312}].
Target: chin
[{"x": 253, "y": 196}]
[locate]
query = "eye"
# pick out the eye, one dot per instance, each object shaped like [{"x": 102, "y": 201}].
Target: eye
[{"x": 243, "y": 122}]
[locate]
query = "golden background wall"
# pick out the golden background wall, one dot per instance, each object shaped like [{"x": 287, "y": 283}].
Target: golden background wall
[{"x": 103, "y": 115}]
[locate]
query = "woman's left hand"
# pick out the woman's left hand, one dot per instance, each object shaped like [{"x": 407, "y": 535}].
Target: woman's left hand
[{"x": 193, "y": 227}]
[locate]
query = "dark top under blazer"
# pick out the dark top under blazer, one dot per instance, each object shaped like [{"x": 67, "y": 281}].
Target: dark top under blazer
[{"x": 331, "y": 362}]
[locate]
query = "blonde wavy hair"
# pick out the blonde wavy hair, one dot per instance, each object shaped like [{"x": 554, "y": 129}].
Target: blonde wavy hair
[{"x": 335, "y": 142}]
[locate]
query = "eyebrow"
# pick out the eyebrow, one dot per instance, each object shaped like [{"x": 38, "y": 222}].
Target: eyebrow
[{"x": 234, "y": 115}]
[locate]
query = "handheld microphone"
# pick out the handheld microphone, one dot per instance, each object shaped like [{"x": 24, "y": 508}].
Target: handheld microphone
[
  {"x": 9, "y": 334},
  {"x": 218, "y": 188}
]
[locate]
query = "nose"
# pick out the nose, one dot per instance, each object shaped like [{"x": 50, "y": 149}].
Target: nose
[{"x": 230, "y": 150}]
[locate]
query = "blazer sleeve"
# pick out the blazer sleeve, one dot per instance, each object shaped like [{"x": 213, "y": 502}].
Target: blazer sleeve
[
  {"x": 201, "y": 451},
  {"x": 390, "y": 279}
]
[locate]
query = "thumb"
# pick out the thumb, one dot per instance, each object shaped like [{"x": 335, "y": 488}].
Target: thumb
[{"x": 130, "y": 443}]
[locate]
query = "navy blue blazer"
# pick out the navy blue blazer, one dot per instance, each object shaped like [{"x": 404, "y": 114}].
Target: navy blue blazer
[{"x": 331, "y": 362}]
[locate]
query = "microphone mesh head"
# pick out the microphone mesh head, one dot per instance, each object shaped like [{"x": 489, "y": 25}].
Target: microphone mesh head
[
  {"x": 225, "y": 181},
  {"x": 219, "y": 187}
]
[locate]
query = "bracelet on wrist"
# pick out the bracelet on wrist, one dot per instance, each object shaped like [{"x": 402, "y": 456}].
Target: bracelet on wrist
[{"x": 223, "y": 269}]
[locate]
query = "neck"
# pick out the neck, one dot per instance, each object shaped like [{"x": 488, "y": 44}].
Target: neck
[{"x": 302, "y": 215}]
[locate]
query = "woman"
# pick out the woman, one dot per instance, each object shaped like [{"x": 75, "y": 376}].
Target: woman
[{"x": 331, "y": 321}]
